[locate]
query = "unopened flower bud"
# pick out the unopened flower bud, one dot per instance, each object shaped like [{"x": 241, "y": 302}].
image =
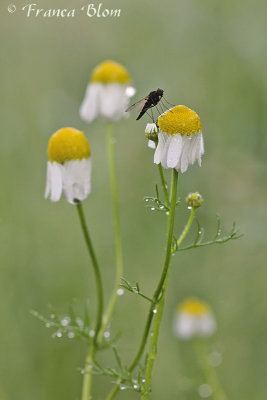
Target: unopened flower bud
[
  {"x": 151, "y": 132},
  {"x": 194, "y": 200}
]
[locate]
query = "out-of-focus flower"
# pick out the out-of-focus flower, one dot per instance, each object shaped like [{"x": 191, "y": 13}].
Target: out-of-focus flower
[
  {"x": 69, "y": 166},
  {"x": 108, "y": 93},
  {"x": 193, "y": 318},
  {"x": 194, "y": 200},
  {"x": 151, "y": 133},
  {"x": 180, "y": 139}
]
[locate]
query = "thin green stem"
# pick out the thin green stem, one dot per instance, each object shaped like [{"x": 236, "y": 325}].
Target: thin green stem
[
  {"x": 87, "y": 380},
  {"x": 118, "y": 242},
  {"x": 186, "y": 228},
  {"x": 160, "y": 290},
  {"x": 209, "y": 371},
  {"x": 164, "y": 185}
]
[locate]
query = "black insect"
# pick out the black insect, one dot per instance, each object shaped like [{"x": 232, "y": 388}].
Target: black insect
[{"x": 145, "y": 104}]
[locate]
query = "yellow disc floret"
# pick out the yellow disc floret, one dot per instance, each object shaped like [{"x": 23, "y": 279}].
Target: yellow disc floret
[
  {"x": 194, "y": 306},
  {"x": 68, "y": 144},
  {"x": 180, "y": 119},
  {"x": 110, "y": 72}
]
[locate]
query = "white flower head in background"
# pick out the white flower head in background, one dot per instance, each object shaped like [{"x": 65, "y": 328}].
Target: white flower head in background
[
  {"x": 108, "y": 93},
  {"x": 151, "y": 133},
  {"x": 180, "y": 139},
  {"x": 193, "y": 318},
  {"x": 69, "y": 166}
]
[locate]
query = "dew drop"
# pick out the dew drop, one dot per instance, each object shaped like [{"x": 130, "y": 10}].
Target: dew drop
[
  {"x": 146, "y": 200},
  {"x": 161, "y": 207},
  {"x": 152, "y": 208},
  {"x": 136, "y": 387},
  {"x": 120, "y": 292},
  {"x": 91, "y": 333},
  {"x": 122, "y": 387},
  {"x": 189, "y": 207},
  {"x": 155, "y": 311},
  {"x": 71, "y": 335},
  {"x": 167, "y": 213},
  {"x": 59, "y": 334},
  {"x": 47, "y": 325},
  {"x": 143, "y": 380},
  {"x": 215, "y": 358},
  {"x": 82, "y": 371},
  {"x": 79, "y": 321},
  {"x": 205, "y": 390},
  {"x": 52, "y": 316},
  {"x": 65, "y": 321},
  {"x": 106, "y": 334}
]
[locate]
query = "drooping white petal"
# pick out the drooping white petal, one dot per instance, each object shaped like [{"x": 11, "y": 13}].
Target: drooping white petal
[
  {"x": 54, "y": 182},
  {"x": 195, "y": 142},
  {"x": 185, "y": 153},
  {"x": 90, "y": 107},
  {"x": 160, "y": 147},
  {"x": 114, "y": 101},
  {"x": 179, "y": 151},
  {"x": 201, "y": 149},
  {"x": 206, "y": 325},
  {"x": 184, "y": 326},
  {"x": 174, "y": 151},
  {"x": 151, "y": 144},
  {"x": 77, "y": 180},
  {"x": 165, "y": 152}
]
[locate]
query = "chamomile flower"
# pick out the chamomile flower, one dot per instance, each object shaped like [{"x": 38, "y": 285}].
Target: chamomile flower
[
  {"x": 180, "y": 139},
  {"x": 68, "y": 166},
  {"x": 108, "y": 93},
  {"x": 193, "y": 318},
  {"x": 151, "y": 133}
]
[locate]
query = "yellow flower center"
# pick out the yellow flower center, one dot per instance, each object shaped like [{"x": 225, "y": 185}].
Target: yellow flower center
[
  {"x": 194, "y": 306},
  {"x": 68, "y": 144},
  {"x": 180, "y": 119},
  {"x": 110, "y": 72}
]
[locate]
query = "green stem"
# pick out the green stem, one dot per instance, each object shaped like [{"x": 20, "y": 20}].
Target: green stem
[
  {"x": 118, "y": 242},
  {"x": 160, "y": 290},
  {"x": 209, "y": 371},
  {"x": 164, "y": 185},
  {"x": 186, "y": 228},
  {"x": 87, "y": 380}
]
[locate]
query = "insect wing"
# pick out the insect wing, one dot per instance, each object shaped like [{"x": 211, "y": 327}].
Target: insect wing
[{"x": 140, "y": 104}]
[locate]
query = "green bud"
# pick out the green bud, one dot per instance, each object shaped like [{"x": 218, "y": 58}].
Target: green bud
[{"x": 194, "y": 200}]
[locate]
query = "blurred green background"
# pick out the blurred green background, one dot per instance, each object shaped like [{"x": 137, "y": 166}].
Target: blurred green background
[{"x": 208, "y": 55}]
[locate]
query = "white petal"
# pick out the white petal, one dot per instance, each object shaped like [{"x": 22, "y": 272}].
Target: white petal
[
  {"x": 48, "y": 180},
  {"x": 206, "y": 325},
  {"x": 151, "y": 144},
  {"x": 174, "y": 151},
  {"x": 195, "y": 145},
  {"x": 77, "y": 180},
  {"x": 151, "y": 128},
  {"x": 54, "y": 181},
  {"x": 114, "y": 101},
  {"x": 185, "y": 326},
  {"x": 160, "y": 147},
  {"x": 185, "y": 153},
  {"x": 90, "y": 106},
  {"x": 165, "y": 151}
]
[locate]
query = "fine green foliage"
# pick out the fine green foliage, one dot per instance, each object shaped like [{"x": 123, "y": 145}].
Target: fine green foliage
[{"x": 217, "y": 239}]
